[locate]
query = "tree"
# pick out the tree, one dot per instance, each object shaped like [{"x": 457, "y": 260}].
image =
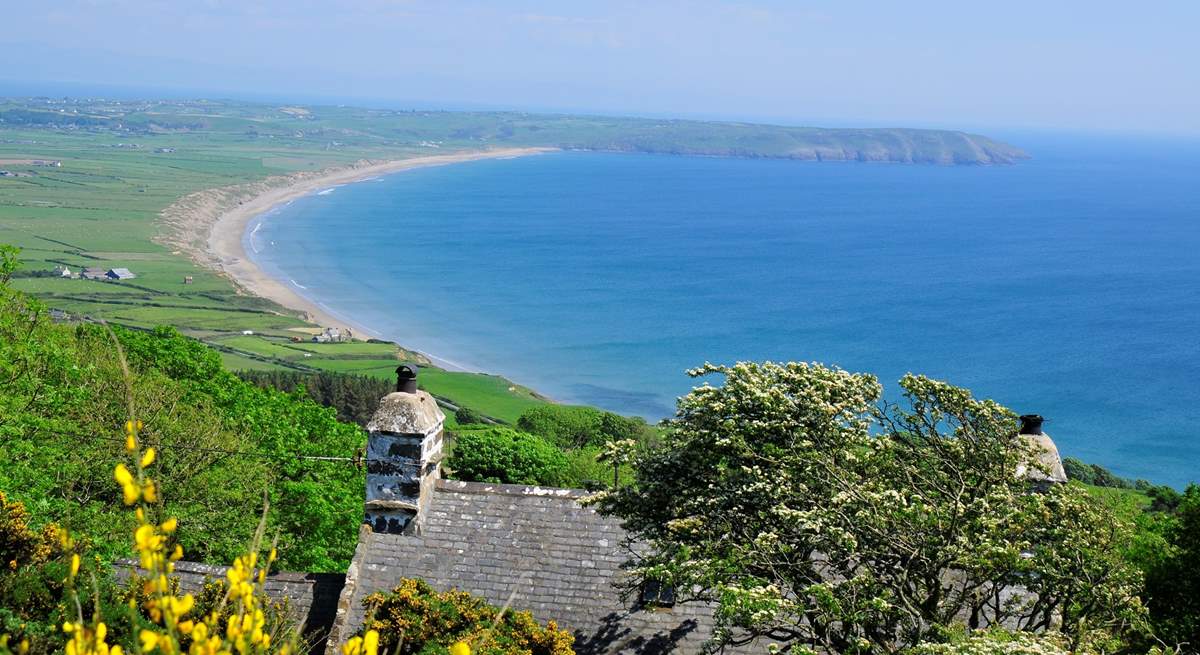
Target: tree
[
  {"x": 814, "y": 518},
  {"x": 1173, "y": 579},
  {"x": 498, "y": 454},
  {"x": 573, "y": 426}
]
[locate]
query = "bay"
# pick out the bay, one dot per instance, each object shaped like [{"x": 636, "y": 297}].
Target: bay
[{"x": 1068, "y": 285}]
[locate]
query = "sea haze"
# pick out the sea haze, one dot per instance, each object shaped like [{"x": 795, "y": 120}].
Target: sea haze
[{"x": 1068, "y": 285}]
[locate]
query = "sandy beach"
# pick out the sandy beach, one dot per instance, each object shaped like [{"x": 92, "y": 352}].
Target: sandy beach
[{"x": 208, "y": 225}]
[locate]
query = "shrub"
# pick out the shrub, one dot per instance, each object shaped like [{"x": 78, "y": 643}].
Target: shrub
[
  {"x": 467, "y": 416},
  {"x": 414, "y": 619},
  {"x": 1172, "y": 589},
  {"x": 498, "y": 454},
  {"x": 572, "y": 426},
  {"x": 998, "y": 642},
  {"x": 354, "y": 397}
]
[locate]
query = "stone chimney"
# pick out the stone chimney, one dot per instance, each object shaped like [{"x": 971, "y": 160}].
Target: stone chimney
[
  {"x": 1045, "y": 451},
  {"x": 404, "y": 449}
]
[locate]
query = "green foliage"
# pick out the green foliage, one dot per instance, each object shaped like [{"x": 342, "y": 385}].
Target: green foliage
[
  {"x": 575, "y": 426},
  {"x": 34, "y": 597},
  {"x": 1173, "y": 573},
  {"x": 467, "y": 416},
  {"x": 819, "y": 520},
  {"x": 354, "y": 397},
  {"x": 499, "y": 454},
  {"x": 222, "y": 442},
  {"x": 1095, "y": 475},
  {"x": 999, "y": 642},
  {"x": 414, "y": 619}
]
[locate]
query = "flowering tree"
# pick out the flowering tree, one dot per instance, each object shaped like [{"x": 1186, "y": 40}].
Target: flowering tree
[{"x": 819, "y": 519}]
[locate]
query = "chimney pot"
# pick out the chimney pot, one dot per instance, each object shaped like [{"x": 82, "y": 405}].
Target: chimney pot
[
  {"x": 1031, "y": 424},
  {"x": 406, "y": 378}
]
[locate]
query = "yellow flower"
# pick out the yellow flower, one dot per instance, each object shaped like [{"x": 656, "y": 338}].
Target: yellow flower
[
  {"x": 149, "y": 639},
  {"x": 371, "y": 643},
  {"x": 130, "y": 443},
  {"x": 148, "y": 457},
  {"x": 122, "y": 475},
  {"x": 181, "y": 606},
  {"x": 169, "y": 525},
  {"x": 149, "y": 492},
  {"x": 74, "y": 565},
  {"x": 460, "y": 648},
  {"x": 352, "y": 647}
]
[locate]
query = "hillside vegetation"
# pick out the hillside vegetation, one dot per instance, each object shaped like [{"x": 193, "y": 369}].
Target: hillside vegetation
[
  {"x": 750, "y": 479},
  {"x": 224, "y": 444}
]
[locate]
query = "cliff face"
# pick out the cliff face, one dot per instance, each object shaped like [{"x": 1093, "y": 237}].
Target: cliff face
[{"x": 894, "y": 145}]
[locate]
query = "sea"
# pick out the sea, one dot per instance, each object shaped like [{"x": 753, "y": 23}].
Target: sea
[{"x": 1067, "y": 285}]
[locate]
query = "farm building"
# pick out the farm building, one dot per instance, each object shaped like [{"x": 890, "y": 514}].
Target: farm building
[
  {"x": 94, "y": 274},
  {"x": 119, "y": 274}
]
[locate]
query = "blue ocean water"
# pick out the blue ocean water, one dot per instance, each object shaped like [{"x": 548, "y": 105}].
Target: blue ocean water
[{"x": 1068, "y": 285}]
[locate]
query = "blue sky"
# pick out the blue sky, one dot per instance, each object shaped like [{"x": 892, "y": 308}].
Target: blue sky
[{"x": 1120, "y": 66}]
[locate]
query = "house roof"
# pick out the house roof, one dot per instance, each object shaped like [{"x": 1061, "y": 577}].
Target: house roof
[
  {"x": 559, "y": 557},
  {"x": 121, "y": 272}
]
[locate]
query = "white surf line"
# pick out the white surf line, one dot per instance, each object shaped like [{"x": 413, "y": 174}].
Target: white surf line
[
  {"x": 328, "y": 191},
  {"x": 298, "y": 285},
  {"x": 253, "y": 233}
]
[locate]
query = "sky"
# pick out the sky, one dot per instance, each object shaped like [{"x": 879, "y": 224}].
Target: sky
[{"x": 1089, "y": 65}]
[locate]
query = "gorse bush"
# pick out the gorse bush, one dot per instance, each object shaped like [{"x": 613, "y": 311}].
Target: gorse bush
[
  {"x": 430, "y": 622},
  {"x": 500, "y": 454}
]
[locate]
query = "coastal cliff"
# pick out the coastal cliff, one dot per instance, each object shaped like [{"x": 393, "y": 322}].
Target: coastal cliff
[{"x": 375, "y": 132}]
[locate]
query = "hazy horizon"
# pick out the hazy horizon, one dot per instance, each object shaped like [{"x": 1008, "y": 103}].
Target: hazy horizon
[{"x": 1094, "y": 67}]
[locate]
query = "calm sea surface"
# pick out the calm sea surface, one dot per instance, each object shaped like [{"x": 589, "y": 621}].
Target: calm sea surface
[{"x": 1068, "y": 285}]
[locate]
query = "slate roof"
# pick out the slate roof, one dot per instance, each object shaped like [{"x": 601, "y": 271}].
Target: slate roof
[
  {"x": 311, "y": 597},
  {"x": 560, "y": 557}
]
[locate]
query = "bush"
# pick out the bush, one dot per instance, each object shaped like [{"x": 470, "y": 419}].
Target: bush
[
  {"x": 498, "y": 454},
  {"x": 467, "y": 416},
  {"x": 572, "y": 426},
  {"x": 1172, "y": 589},
  {"x": 998, "y": 642},
  {"x": 414, "y": 619},
  {"x": 354, "y": 397}
]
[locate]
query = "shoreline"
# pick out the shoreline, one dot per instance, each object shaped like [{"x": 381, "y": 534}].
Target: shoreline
[{"x": 210, "y": 225}]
